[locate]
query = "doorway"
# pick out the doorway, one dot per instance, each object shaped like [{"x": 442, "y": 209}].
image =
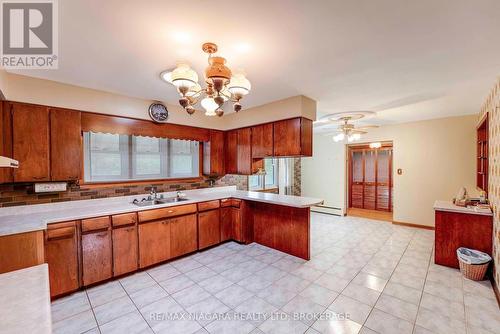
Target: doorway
[{"x": 370, "y": 181}]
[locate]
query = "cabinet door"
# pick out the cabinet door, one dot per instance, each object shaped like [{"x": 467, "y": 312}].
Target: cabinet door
[
  {"x": 231, "y": 153},
  {"x": 96, "y": 256},
  {"x": 244, "y": 151},
  {"x": 237, "y": 225},
  {"x": 154, "y": 243},
  {"x": 226, "y": 223},
  {"x": 208, "y": 228},
  {"x": 183, "y": 235},
  {"x": 217, "y": 153},
  {"x": 30, "y": 142},
  {"x": 262, "y": 141},
  {"x": 5, "y": 140},
  {"x": 125, "y": 251},
  {"x": 61, "y": 254},
  {"x": 65, "y": 145},
  {"x": 287, "y": 138}
]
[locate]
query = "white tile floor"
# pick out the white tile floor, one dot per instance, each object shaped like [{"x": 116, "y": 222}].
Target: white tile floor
[{"x": 364, "y": 277}]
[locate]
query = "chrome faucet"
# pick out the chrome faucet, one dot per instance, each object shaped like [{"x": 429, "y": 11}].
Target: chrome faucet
[{"x": 153, "y": 193}]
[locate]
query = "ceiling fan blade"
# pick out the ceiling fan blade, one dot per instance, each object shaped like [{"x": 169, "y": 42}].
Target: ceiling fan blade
[
  {"x": 361, "y": 132},
  {"x": 366, "y": 127}
]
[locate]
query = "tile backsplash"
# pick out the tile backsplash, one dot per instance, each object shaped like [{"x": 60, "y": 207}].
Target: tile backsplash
[{"x": 23, "y": 194}]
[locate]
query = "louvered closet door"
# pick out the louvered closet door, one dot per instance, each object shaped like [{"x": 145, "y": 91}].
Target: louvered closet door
[
  {"x": 370, "y": 179},
  {"x": 384, "y": 179},
  {"x": 357, "y": 179}
]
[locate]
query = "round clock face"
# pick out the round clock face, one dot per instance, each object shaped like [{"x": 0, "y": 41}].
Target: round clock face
[{"x": 158, "y": 112}]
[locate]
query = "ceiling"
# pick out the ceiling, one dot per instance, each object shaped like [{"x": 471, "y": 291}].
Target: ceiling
[{"x": 407, "y": 60}]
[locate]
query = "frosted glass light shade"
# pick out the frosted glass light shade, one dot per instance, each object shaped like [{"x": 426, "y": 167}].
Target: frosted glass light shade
[
  {"x": 184, "y": 76},
  {"x": 239, "y": 84},
  {"x": 209, "y": 105},
  {"x": 193, "y": 90}
]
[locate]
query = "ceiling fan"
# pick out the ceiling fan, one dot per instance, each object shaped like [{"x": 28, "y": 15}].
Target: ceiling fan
[{"x": 345, "y": 130}]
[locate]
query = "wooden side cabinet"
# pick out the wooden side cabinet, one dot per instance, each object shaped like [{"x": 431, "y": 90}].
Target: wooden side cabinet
[
  {"x": 183, "y": 235},
  {"x": 30, "y": 142},
  {"x": 96, "y": 250},
  {"x": 65, "y": 145},
  {"x": 213, "y": 154},
  {"x": 125, "y": 243},
  {"x": 293, "y": 137},
  {"x": 454, "y": 230},
  {"x": 61, "y": 254},
  {"x": 154, "y": 242}
]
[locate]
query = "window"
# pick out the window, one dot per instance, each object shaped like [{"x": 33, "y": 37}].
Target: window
[
  {"x": 268, "y": 181},
  {"x": 113, "y": 157}
]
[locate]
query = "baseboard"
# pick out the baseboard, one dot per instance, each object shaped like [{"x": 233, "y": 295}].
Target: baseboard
[
  {"x": 329, "y": 210},
  {"x": 425, "y": 227},
  {"x": 495, "y": 289}
]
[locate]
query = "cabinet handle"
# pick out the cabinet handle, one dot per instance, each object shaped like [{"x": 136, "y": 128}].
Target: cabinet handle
[
  {"x": 102, "y": 235},
  {"x": 170, "y": 211},
  {"x": 39, "y": 177},
  {"x": 130, "y": 229}
]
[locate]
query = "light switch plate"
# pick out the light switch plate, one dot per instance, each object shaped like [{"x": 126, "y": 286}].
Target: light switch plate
[{"x": 50, "y": 187}]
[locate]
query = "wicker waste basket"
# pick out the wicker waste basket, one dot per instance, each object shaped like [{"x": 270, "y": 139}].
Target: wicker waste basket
[{"x": 473, "y": 263}]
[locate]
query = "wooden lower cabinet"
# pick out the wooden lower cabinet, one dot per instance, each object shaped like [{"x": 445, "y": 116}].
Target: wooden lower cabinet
[
  {"x": 125, "y": 250},
  {"x": 154, "y": 242},
  {"x": 237, "y": 225},
  {"x": 226, "y": 223},
  {"x": 61, "y": 254},
  {"x": 183, "y": 235},
  {"x": 208, "y": 228},
  {"x": 97, "y": 254}
]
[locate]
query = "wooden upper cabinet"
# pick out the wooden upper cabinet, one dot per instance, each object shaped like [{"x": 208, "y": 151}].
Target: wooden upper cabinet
[
  {"x": 262, "y": 141},
  {"x": 61, "y": 254},
  {"x": 213, "y": 162},
  {"x": 245, "y": 151},
  {"x": 65, "y": 145},
  {"x": 5, "y": 140},
  {"x": 183, "y": 235},
  {"x": 293, "y": 137},
  {"x": 30, "y": 142},
  {"x": 231, "y": 154}
]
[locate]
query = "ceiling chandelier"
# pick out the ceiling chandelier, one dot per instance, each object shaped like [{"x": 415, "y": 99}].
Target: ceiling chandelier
[
  {"x": 345, "y": 131},
  {"x": 221, "y": 84}
]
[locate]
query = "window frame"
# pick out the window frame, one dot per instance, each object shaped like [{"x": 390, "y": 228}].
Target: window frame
[
  {"x": 262, "y": 178},
  {"x": 85, "y": 166}
]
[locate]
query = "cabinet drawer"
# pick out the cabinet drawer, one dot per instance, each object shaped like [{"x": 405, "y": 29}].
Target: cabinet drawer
[
  {"x": 236, "y": 203},
  {"x": 95, "y": 224},
  {"x": 226, "y": 202},
  {"x": 61, "y": 233},
  {"x": 124, "y": 219},
  {"x": 210, "y": 205},
  {"x": 166, "y": 212}
]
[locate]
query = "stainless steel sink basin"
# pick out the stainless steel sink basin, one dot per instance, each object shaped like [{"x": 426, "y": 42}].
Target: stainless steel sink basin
[{"x": 152, "y": 202}]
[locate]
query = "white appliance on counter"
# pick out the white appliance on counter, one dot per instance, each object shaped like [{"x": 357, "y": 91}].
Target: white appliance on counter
[{"x": 8, "y": 162}]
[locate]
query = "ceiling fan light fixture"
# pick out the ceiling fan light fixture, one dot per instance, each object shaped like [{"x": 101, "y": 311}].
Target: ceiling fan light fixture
[{"x": 338, "y": 137}]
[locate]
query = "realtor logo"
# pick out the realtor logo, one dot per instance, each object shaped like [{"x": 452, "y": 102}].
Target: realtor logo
[{"x": 29, "y": 34}]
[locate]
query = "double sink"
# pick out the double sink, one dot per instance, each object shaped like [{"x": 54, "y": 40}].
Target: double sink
[{"x": 151, "y": 201}]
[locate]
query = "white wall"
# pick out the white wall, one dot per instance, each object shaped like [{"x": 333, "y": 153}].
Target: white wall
[{"x": 437, "y": 158}]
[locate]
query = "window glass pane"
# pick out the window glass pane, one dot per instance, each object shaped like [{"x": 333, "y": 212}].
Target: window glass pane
[
  {"x": 269, "y": 167},
  {"x": 253, "y": 182},
  {"x": 148, "y": 164},
  {"x": 105, "y": 164},
  {"x": 104, "y": 142},
  {"x": 147, "y": 144}
]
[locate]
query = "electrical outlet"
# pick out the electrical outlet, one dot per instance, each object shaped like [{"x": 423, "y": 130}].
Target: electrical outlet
[{"x": 50, "y": 187}]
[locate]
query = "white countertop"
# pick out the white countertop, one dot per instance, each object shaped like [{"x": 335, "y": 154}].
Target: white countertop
[
  {"x": 29, "y": 218},
  {"x": 450, "y": 207},
  {"x": 25, "y": 306}
]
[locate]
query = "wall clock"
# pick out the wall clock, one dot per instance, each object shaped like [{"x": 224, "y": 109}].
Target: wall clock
[{"x": 158, "y": 112}]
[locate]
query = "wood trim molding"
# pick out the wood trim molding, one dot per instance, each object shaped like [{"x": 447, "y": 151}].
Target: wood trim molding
[
  {"x": 425, "y": 227},
  {"x": 117, "y": 124},
  {"x": 139, "y": 182}
]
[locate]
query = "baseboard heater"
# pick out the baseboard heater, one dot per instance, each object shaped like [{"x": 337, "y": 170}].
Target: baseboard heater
[{"x": 330, "y": 210}]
